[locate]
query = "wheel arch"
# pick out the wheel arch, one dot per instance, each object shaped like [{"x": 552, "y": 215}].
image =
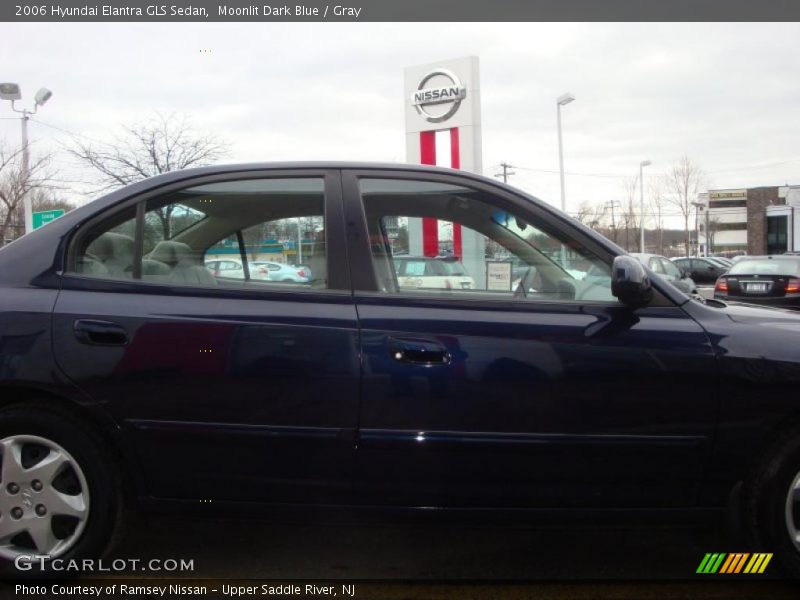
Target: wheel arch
[{"x": 89, "y": 415}]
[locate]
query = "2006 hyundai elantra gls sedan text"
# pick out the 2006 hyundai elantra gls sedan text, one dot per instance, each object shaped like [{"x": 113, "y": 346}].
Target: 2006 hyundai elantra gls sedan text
[{"x": 130, "y": 375}]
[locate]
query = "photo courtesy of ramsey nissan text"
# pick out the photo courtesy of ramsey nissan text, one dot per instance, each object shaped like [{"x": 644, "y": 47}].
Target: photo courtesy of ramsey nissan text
[{"x": 400, "y": 300}]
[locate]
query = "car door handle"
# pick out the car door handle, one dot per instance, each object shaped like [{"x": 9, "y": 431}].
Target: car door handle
[
  {"x": 419, "y": 351},
  {"x": 100, "y": 333}
]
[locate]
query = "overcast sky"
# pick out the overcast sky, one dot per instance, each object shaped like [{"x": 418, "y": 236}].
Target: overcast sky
[{"x": 726, "y": 95}]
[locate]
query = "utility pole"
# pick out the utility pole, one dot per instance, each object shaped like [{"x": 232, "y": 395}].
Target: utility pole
[
  {"x": 612, "y": 204},
  {"x": 642, "y": 165},
  {"x": 505, "y": 172}
]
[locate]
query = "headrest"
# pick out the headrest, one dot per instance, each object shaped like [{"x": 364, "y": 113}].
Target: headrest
[
  {"x": 112, "y": 245},
  {"x": 171, "y": 253}
]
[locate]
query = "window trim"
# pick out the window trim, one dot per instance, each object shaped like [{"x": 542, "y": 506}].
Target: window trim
[
  {"x": 338, "y": 283},
  {"x": 363, "y": 272}
]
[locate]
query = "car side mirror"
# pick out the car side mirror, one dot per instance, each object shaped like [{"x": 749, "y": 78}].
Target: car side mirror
[
  {"x": 684, "y": 273},
  {"x": 630, "y": 283}
]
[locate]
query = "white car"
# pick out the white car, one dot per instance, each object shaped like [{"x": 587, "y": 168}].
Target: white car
[
  {"x": 260, "y": 270},
  {"x": 441, "y": 273},
  {"x": 274, "y": 271},
  {"x": 229, "y": 269}
]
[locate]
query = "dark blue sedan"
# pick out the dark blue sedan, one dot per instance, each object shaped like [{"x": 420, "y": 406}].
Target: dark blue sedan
[{"x": 568, "y": 378}]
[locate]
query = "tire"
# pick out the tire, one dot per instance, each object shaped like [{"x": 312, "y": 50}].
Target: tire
[
  {"x": 86, "y": 473},
  {"x": 768, "y": 522}
]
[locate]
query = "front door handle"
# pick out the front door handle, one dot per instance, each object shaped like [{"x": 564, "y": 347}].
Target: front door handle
[
  {"x": 419, "y": 351},
  {"x": 100, "y": 333}
]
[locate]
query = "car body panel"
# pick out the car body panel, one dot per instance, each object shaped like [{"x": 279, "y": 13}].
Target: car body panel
[
  {"x": 599, "y": 378},
  {"x": 546, "y": 406}
]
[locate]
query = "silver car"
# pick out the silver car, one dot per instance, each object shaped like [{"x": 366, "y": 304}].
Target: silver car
[{"x": 666, "y": 269}]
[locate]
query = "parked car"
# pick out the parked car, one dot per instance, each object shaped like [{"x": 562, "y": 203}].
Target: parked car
[
  {"x": 721, "y": 260},
  {"x": 440, "y": 272},
  {"x": 769, "y": 280},
  {"x": 663, "y": 267},
  {"x": 231, "y": 269},
  {"x": 263, "y": 270},
  {"x": 702, "y": 270},
  {"x": 140, "y": 382},
  {"x": 274, "y": 271}
]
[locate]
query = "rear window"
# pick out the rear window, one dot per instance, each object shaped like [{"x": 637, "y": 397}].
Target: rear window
[
  {"x": 455, "y": 268},
  {"x": 765, "y": 267}
]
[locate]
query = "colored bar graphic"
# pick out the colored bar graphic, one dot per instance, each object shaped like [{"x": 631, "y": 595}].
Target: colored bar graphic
[
  {"x": 734, "y": 563},
  {"x": 703, "y": 563},
  {"x": 720, "y": 562},
  {"x": 729, "y": 562}
]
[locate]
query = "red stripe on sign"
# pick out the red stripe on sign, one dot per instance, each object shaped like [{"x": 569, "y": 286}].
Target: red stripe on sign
[
  {"x": 430, "y": 237},
  {"x": 455, "y": 162},
  {"x": 427, "y": 147},
  {"x": 430, "y": 227}
]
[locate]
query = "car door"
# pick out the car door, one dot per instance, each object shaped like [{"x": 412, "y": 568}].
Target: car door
[
  {"x": 532, "y": 391},
  {"x": 704, "y": 270},
  {"x": 231, "y": 389}
]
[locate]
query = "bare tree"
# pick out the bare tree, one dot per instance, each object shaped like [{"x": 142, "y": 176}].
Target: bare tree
[
  {"x": 657, "y": 194},
  {"x": 683, "y": 182},
  {"x": 15, "y": 183},
  {"x": 592, "y": 214},
  {"x": 44, "y": 199},
  {"x": 629, "y": 215},
  {"x": 158, "y": 145}
]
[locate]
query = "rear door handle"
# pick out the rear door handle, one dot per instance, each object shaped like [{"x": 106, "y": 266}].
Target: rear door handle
[
  {"x": 419, "y": 351},
  {"x": 100, "y": 333}
]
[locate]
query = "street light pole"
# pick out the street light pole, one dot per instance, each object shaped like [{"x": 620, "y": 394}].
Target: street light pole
[
  {"x": 11, "y": 91},
  {"x": 642, "y": 165},
  {"x": 698, "y": 207},
  {"x": 562, "y": 100},
  {"x": 27, "y": 201}
]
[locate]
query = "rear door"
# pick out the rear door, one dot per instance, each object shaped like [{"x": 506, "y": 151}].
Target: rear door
[
  {"x": 536, "y": 388},
  {"x": 227, "y": 388}
]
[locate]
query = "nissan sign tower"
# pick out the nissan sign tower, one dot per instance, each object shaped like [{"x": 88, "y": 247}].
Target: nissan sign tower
[{"x": 443, "y": 128}]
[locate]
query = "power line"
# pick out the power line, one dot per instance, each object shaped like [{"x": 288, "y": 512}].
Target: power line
[{"x": 68, "y": 132}]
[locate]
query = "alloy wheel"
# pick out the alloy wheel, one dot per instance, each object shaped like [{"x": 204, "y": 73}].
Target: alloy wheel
[{"x": 44, "y": 498}]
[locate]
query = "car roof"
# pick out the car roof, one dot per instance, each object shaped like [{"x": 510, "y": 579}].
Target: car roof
[
  {"x": 646, "y": 255},
  {"x": 409, "y": 257},
  {"x": 780, "y": 257}
]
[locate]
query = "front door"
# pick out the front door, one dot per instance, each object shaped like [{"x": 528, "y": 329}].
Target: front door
[
  {"x": 529, "y": 386},
  {"x": 227, "y": 385}
]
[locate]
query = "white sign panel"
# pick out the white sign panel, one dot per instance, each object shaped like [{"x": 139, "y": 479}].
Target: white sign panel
[{"x": 498, "y": 276}]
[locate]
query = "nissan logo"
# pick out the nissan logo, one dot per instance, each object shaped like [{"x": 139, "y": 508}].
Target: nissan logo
[{"x": 451, "y": 93}]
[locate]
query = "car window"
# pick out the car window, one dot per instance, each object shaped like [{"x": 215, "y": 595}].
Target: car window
[
  {"x": 765, "y": 266},
  {"x": 656, "y": 266},
  {"x": 670, "y": 268},
  {"x": 204, "y": 235},
  {"x": 500, "y": 254}
]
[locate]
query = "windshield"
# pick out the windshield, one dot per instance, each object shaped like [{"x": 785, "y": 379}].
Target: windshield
[{"x": 765, "y": 266}]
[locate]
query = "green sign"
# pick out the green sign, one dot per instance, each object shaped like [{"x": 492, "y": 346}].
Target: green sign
[{"x": 44, "y": 217}]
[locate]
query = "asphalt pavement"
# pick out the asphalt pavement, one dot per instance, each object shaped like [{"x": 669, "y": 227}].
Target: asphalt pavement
[{"x": 402, "y": 560}]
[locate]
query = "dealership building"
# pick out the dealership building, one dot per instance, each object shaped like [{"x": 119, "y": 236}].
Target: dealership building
[{"x": 760, "y": 220}]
